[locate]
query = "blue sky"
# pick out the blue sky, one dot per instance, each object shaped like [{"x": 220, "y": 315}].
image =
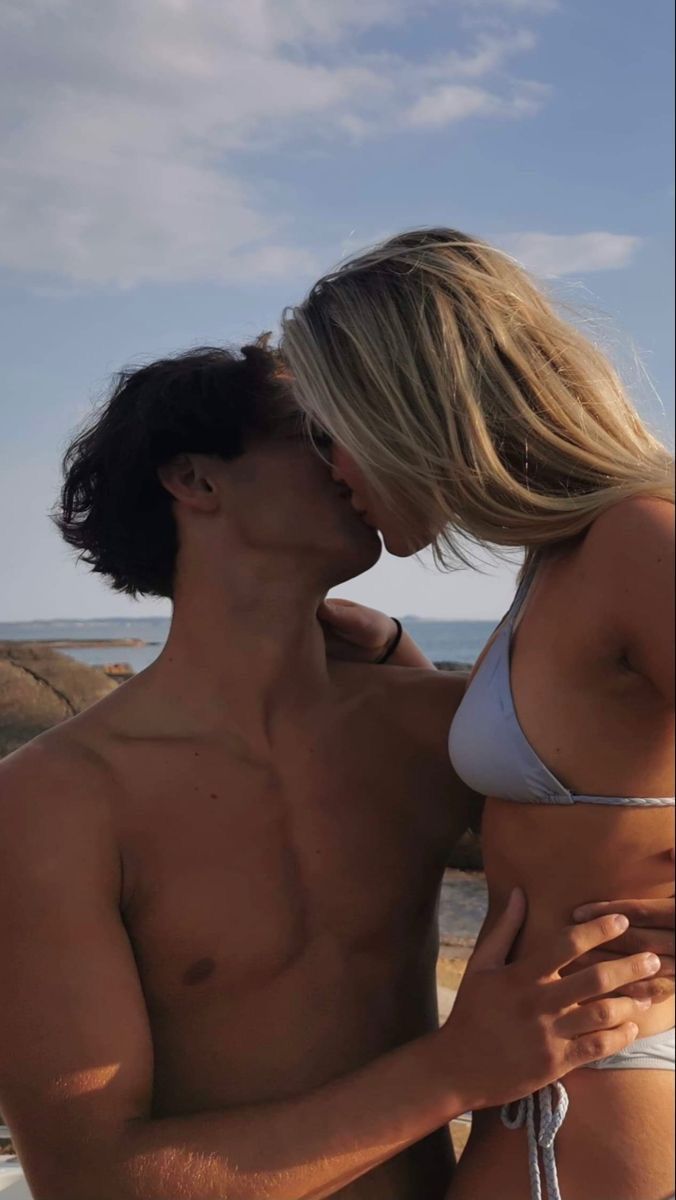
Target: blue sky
[{"x": 178, "y": 171}]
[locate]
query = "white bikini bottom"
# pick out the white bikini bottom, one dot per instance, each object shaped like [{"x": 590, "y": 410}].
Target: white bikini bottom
[{"x": 543, "y": 1114}]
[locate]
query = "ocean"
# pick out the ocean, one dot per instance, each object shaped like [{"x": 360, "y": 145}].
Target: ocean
[{"x": 442, "y": 641}]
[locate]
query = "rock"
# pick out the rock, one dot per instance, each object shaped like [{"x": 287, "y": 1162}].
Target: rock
[
  {"x": 40, "y": 687},
  {"x": 119, "y": 671},
  {"x": 466, "y": 854}
]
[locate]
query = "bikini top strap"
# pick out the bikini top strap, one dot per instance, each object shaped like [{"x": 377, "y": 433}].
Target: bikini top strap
[{"x": 522, "y": 592}]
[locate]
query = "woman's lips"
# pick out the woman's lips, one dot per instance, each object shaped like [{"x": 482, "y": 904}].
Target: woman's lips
[
  {"x": 356, "y": 504},
  {"x": 363, "y": 515}
]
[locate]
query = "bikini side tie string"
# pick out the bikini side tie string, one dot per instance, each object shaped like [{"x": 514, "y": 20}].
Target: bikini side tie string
[{"x": 540, "y": 1140}]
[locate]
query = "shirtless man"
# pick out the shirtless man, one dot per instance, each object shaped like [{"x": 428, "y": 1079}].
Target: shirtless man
[{"x": 219, "y": 885}]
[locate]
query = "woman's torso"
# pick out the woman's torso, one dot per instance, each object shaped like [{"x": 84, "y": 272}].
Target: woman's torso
[{"x": 602, "y": 729}]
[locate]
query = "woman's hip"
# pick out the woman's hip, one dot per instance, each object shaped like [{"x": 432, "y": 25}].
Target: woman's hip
[{"x": 615, "y": 1143}]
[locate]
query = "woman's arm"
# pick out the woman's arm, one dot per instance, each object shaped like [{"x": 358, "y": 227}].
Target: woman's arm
[
  {"x": 637, "y": 538},
  {"x": 355, "y": 633},
  {"x": 634, "y": 547}
]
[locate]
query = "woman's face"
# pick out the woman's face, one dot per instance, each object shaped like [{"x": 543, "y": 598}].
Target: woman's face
[{"x": 400, "y": 539}]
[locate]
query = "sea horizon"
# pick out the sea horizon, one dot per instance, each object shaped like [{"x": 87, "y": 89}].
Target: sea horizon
[
  {"x": 459, "y": 640},
  {"x": 158, "y": 617}
]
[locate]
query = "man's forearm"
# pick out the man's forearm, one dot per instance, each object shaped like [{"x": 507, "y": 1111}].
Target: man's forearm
[{"x": 300, "y": 1149}]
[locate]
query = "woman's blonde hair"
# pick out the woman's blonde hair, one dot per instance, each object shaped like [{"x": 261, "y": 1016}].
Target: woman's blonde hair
[{"x": 444, "y": 371}]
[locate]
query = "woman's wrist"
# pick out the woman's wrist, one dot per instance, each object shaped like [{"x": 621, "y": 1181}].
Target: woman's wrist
[
  {"x": 355, "y": 633},
  {"x": 393, "y": 644},
  {"x": 404, "y": 652}
]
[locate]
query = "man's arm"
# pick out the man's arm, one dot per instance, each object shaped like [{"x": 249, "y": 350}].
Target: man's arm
[{"x": 76, "y": 1060}]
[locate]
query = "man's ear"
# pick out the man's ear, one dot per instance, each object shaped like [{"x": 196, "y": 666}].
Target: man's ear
[{"x": 188, "y": 479}]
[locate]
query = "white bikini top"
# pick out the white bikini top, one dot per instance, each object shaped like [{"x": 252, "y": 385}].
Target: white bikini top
[{"x": 490, "y": 751}]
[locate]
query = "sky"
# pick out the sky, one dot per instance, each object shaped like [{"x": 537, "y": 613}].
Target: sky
[{"x": 176, "y": 172}]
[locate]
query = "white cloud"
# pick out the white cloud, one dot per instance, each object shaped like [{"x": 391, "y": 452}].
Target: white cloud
[
  {"x": 514, "y": 6},
  {"x": 449, "y": 98},
  {"x": 490, "y": 53},
  {"x": 458, "y": 102},
  {"x": 124, "y": 126},
  {"x": 572, "y": 254}
]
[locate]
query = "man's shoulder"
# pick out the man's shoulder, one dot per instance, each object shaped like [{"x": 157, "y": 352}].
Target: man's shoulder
[
  {"x": 58, "y": 843},
  {"x": 56, "y": 777}
]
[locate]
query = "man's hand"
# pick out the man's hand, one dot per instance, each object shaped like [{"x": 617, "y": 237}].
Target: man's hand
[
  {"x": 515, "y": 1028},
  {"x": 355, "y": 633}
]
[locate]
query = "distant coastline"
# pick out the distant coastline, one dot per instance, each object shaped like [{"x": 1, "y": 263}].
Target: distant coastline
[
  {"x": 79, "y": 622},
  {"x": 92, "y": 643},
  {"x": 139, "y": 640}
]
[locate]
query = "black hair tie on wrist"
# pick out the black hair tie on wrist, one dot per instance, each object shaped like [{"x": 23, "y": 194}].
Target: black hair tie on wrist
[{"x": 394, "y": 644}]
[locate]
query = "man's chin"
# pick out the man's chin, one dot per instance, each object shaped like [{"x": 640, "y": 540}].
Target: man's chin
[
  {"x": 356, "y": 560},
  {"x": 371, "y": 552}
]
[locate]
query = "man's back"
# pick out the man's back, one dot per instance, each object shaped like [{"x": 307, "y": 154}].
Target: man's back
[{"x": 280, "y": 907}]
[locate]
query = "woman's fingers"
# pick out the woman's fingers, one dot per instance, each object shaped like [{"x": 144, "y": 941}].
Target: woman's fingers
[
  {"x": 331, "y": 608},
  {"x": 592, "y": 1046},
  {"x": 604, "y": 978},
  {"x": 658, "y": 988},
  {"x": 639, "y": 941},
  {"x": 651, "y": 929},
  {"x": 650, "y": 914},
  {"x": 608, "y": 1013},
  {"x": 357, "y": 624},
  {"x": 577, "y": 940}
]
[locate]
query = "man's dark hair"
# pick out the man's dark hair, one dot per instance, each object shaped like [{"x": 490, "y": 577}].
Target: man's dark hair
[{"x": 112, "y": 508}]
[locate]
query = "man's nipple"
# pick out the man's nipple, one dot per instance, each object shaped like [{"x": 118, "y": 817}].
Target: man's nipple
[{"x": 199, "y": 971}]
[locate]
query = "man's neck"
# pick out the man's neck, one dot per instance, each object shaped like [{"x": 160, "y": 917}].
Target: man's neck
[{"x": 245, "y": 647}]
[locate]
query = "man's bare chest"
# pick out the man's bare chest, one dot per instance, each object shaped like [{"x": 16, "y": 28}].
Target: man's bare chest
[{"x": 234, "y": 870}]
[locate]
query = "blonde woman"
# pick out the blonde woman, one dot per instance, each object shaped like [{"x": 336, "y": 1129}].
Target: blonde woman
[{"x": 462, "y": 409}]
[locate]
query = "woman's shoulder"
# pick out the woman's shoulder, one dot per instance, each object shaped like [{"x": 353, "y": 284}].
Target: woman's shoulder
[
  {"x": 638, "y": 531},
  {"x": 628, "y": 558},
  {"x": 635, "y": 513}
]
